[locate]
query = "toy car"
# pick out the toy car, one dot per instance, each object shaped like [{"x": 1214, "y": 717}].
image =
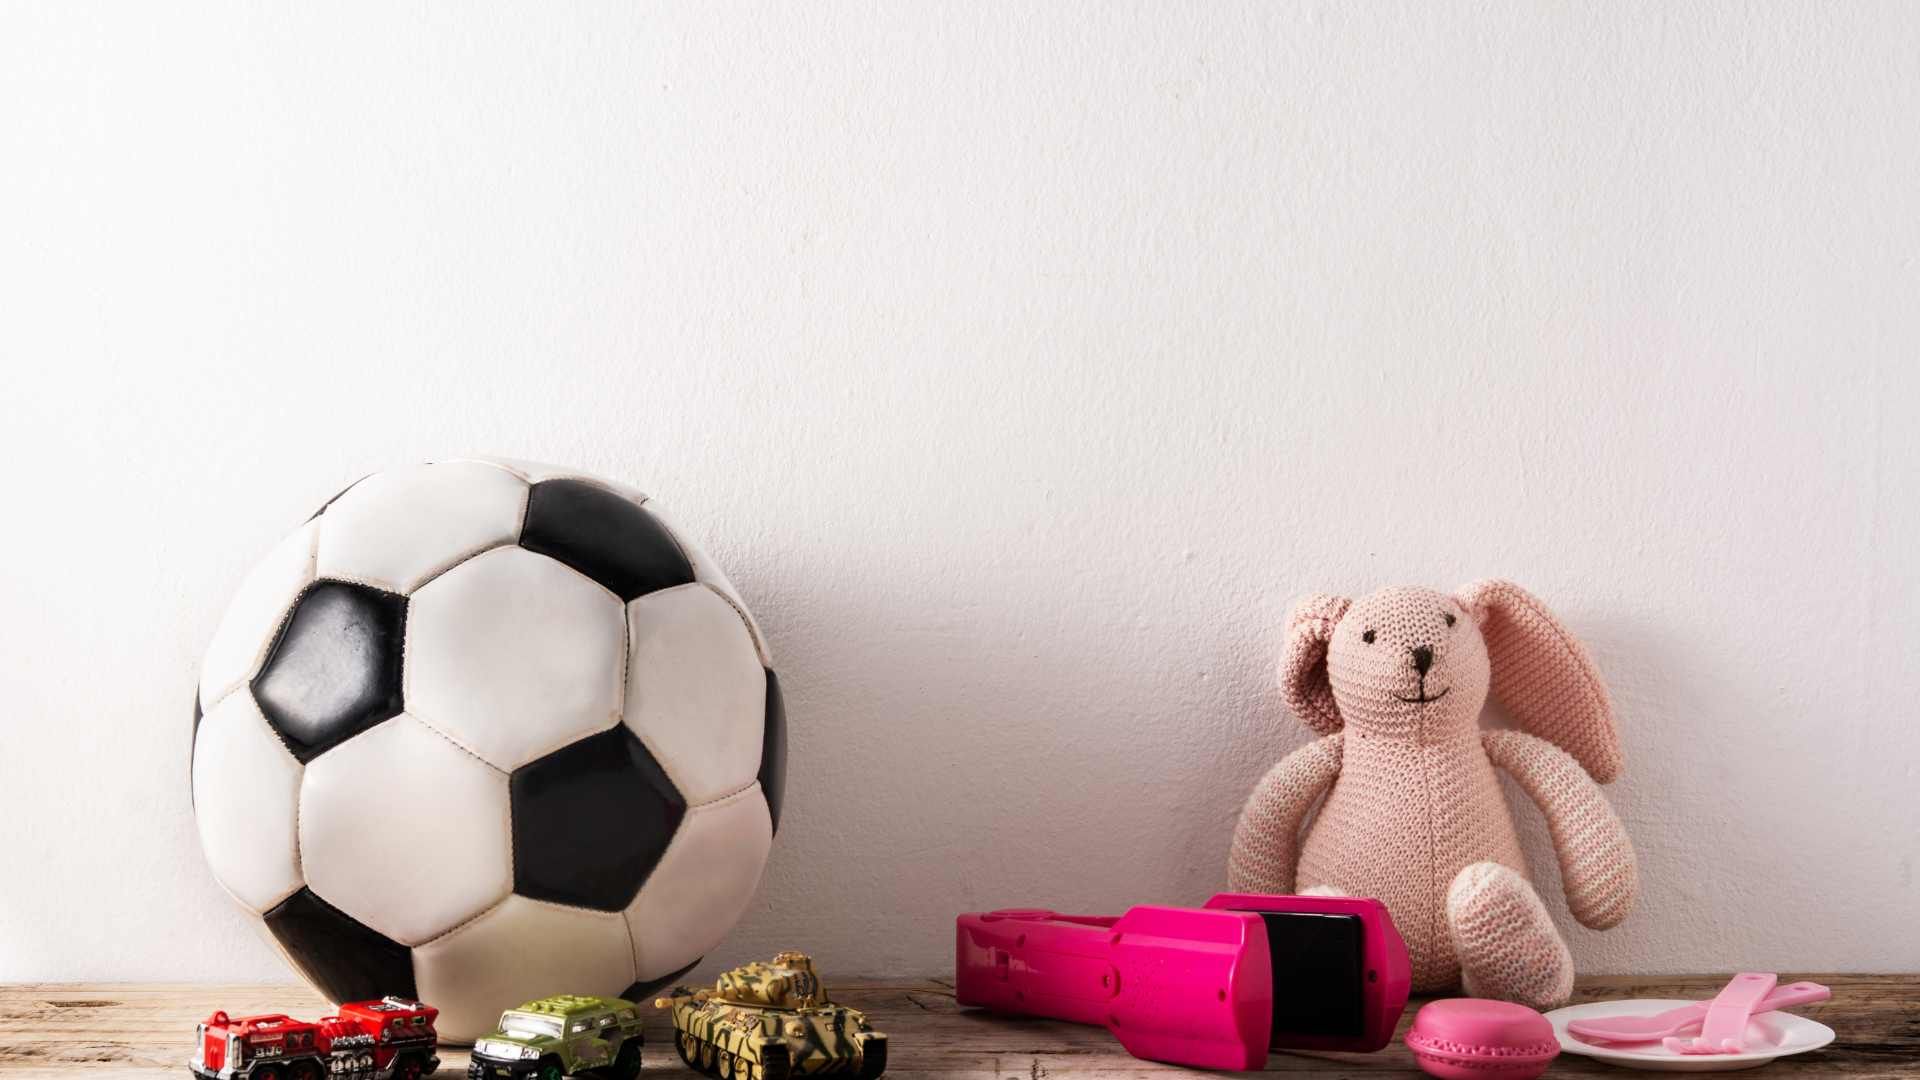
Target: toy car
[
  {"x": 563, "y": 1035},
  {"x": 770, "y": 1022},
  {"x": 389, "y": 1039}
]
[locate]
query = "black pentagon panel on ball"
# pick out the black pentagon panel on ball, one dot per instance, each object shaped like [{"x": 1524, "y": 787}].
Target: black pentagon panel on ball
[
  {"x": 773, "y": 750},
  {"x": 334, "y": 671},
  {"x": 591, "y": 820},
  {"x": 346, "y": 959},
  {"x": 605, "y": 536}
]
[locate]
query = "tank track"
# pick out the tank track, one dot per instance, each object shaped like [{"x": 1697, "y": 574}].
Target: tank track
[{"x": 704, "y": 1057}]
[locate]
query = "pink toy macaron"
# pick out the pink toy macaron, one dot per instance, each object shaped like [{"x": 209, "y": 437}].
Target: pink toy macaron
[{"x": 1478, "y": 1039}]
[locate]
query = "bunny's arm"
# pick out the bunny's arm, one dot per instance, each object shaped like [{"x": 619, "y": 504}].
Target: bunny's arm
[
  {"x": 1596, "y": 859},
  {"x": 1266, "y": 844}
]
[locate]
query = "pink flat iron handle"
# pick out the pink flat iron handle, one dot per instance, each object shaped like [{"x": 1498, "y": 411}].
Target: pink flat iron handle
[{"x": 1187, "y": 986}]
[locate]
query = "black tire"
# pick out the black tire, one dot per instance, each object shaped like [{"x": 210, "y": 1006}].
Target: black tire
[
  {"x": 626, "y": 1063},
  {"x": 265, "y": 1072},
  {"x": 304, "y": 1070},
  {"x": 549, "y": 1069},
  {"x": 405, "y": 1067},
  {"x": 875, "y": 1061}
]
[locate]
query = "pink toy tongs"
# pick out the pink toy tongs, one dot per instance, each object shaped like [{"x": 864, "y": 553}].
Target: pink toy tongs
[
  {"x": 1632, "y": 1029},
  {"x": 1725, "y": 1029}
]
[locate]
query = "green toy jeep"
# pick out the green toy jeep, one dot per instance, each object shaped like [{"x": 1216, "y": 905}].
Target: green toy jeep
[{"x": 563, "y": 1035}]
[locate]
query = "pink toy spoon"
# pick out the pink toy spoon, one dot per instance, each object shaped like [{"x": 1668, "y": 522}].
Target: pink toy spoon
[
  {"x": 1725, "y": 1029},
  {"x": 1632, "y": 1029}
]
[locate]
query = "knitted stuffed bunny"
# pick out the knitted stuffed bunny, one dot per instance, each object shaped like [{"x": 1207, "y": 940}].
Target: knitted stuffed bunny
[{"x": 1394, "y": 683}]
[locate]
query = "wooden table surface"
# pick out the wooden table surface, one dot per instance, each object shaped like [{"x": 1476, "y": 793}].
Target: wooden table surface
[{"x": 121, "y": 1031}]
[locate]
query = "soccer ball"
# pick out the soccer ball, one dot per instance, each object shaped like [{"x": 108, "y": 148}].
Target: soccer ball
[{"x": 482, "y": 731}]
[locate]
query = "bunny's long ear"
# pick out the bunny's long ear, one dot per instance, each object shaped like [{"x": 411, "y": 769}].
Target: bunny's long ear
[
  {"x": 1544, "y": 677},
  {"x": 1303, "y": 661}
]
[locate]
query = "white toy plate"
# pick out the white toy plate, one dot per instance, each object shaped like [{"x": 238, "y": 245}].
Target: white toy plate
[{"x": 1769, "y": 1035}]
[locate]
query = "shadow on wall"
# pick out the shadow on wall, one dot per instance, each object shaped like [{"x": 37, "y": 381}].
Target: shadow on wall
[
  {"x": 1675, "y": 796},
  {"x": 1057, "y": 755}
]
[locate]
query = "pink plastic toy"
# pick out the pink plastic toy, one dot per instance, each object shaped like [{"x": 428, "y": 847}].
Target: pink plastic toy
[
  {"x": 1725, "y": 1028},
  {"x": 1631, "y": 1029},
  {"x": 1213, "y": 987},
  {"x": 1480, "y": 1039}
]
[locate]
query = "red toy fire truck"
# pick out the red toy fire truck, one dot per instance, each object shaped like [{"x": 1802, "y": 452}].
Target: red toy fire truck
[{"x": 389, "y": 1039}]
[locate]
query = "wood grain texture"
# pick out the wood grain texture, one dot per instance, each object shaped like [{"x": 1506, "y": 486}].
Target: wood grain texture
[{"x": 126, "y": 1031}]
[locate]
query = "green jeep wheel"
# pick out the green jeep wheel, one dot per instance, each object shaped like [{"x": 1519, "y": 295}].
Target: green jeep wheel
[
  {"x": 549, "y": 1069},
  {"x": 626, "y": 1064}
]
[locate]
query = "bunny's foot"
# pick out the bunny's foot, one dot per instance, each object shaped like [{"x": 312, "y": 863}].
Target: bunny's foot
[{"x": 1507, "y": 945}]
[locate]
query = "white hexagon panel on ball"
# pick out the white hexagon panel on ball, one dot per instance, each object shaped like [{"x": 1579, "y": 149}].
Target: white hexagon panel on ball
[
  {"x": 486, "y": 729},
  {"x": 513, "y": 654}
]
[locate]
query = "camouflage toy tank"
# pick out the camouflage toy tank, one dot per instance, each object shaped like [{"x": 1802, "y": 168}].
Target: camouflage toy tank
[{"x": 772, "y": 1021}]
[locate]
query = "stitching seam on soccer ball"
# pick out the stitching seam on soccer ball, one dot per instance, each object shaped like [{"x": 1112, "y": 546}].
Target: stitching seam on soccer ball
[
  {"x": 450, "y": 567},
  {"x": 660, "y": 759},
  {"x": 502, "y": 466},
  {"x": 299, "y": 792},
  {"x": 759, "y": 648},
  {"x": 633, "y": 946},
  {"x": 464, "y": 923},
  {"x": 207, "y": 710},
  {"x": 626, "y": 661},
  {"x": 249, "y": 907},
  {"x": 718, "y": 799},
  {"x": 264, "y": 651},
  {"x": 566, "y": 740},
  {"x": 277, "y": 901},
  {"x": 675, "y": 537},
  {"x": 513, "y": 869},
  {"x": 423, "y": 722},
  {"x": 527, "y": 478},
  {"x": 583, "y": 909},
  {"x": 526, "y": 508}
]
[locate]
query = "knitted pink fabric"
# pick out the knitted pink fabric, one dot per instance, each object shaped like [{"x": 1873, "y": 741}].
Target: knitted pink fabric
[
  {"x": 1505, "y": 939},
  {"x": 1413, "y": 812}
]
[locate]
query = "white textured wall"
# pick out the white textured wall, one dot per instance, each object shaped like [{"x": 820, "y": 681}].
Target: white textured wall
[{"x": 1020, "y": 363}]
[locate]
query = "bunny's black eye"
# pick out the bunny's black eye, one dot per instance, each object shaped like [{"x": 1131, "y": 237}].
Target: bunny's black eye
[
  {"x": 1367, "y": 637},
  {"x": 1447, "y": 615}
]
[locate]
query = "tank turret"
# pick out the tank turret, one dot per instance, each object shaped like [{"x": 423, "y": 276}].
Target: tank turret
[
  {"x": 770, "y": 1021},
  {"x": 786, "y": 983}
]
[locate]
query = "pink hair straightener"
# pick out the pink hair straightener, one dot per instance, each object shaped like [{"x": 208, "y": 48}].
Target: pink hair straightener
[{"x": 1214, "y": 987}]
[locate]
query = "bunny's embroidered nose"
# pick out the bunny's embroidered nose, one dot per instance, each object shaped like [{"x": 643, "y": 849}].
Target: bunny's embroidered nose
[{"x": 1422, "y": 659}]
